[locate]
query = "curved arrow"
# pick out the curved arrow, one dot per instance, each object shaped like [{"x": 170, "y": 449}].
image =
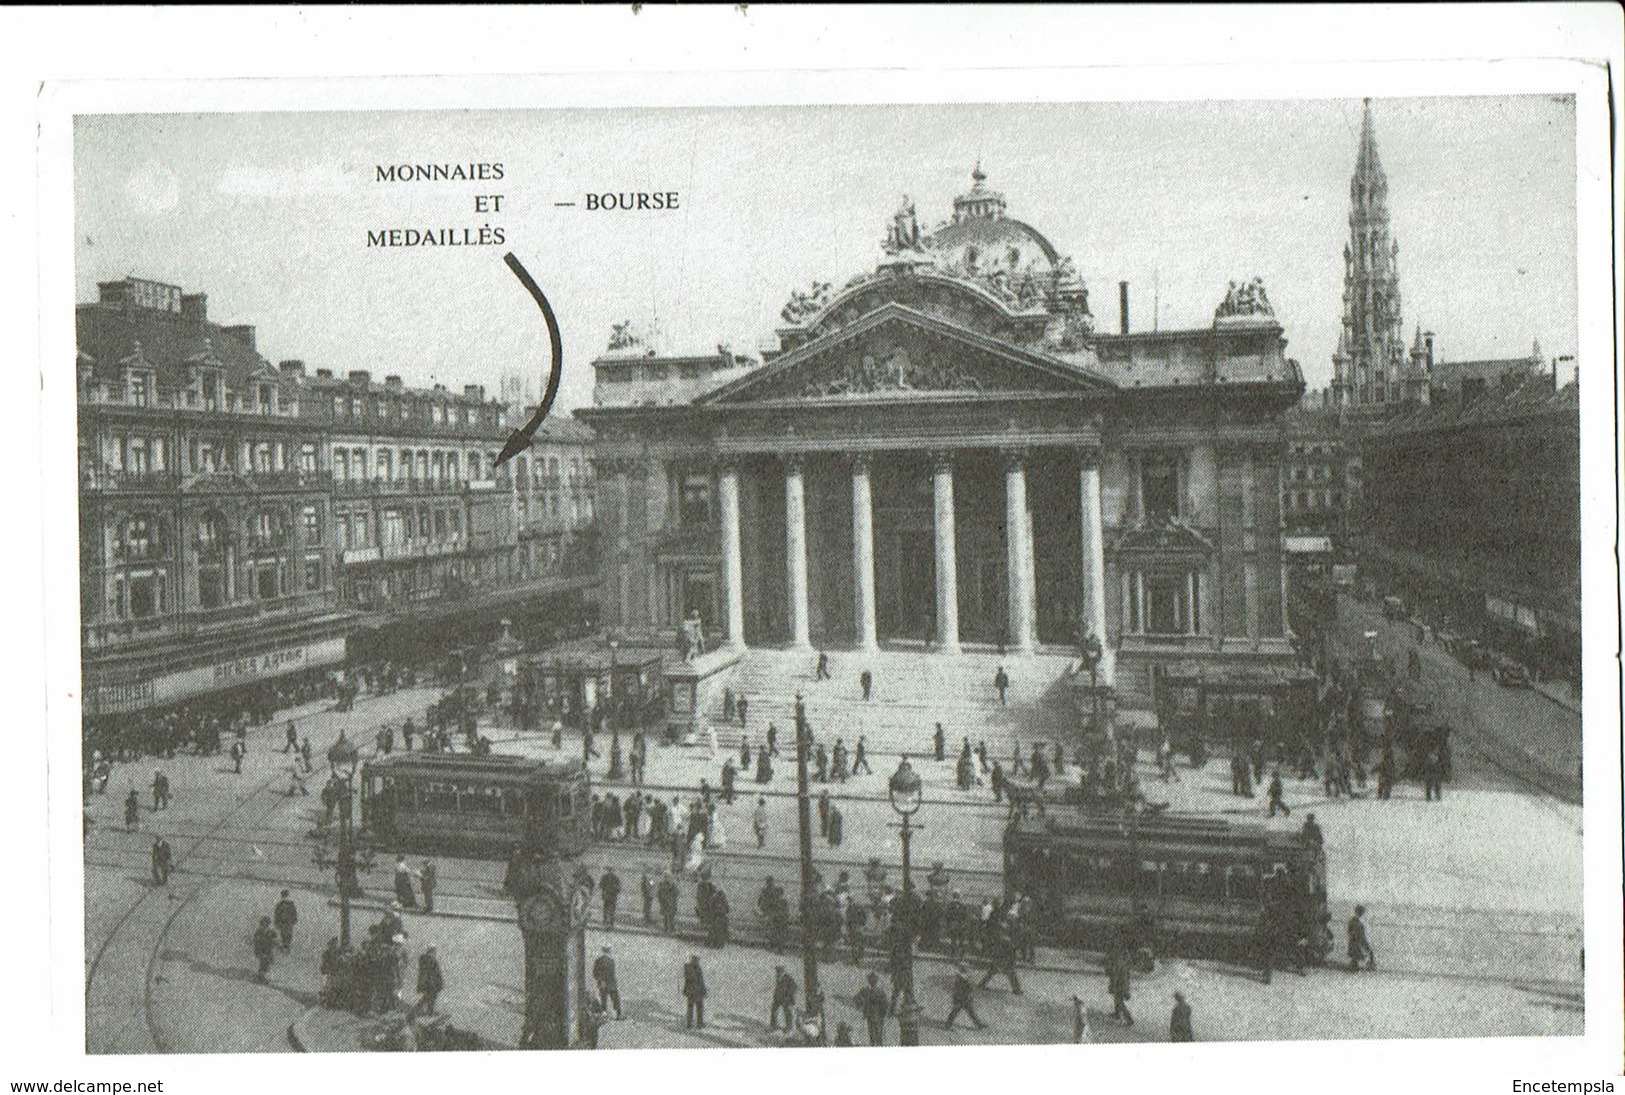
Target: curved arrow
[{"x": 520, "y": 439}]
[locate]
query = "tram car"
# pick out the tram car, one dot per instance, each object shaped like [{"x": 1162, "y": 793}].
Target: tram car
[
  {"x": 478, "y": 807},
  {"x": 1178, "y": 884}
]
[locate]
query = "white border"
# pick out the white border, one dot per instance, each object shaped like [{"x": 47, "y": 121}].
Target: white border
[{"x": 683, "y": 57}]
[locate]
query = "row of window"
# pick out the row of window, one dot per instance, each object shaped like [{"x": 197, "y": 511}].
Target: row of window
[
  {"x": 360, "y": 529},
  {"x": 355, "y": 409},
  {"x": 1198, "y": 879},
  {"x": 145, "y": 594}
]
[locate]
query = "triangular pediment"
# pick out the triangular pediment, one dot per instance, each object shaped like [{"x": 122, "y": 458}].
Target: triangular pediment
[
  {"x": 1169, "y": 537},
  {"x": 898, "y": 353}
]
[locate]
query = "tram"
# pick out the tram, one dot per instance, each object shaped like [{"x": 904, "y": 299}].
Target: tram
[
  {"x": 1179, "y": 884},
  {"x": 479, "y": 807}
]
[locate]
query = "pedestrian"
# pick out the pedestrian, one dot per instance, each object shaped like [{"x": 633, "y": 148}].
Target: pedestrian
[
  {"x": 161, "y": 861},
  {"x": 646, "y": 889},
  {"x": 939, "y": 743},
  {"x": 1276, "y": 801},
  {"x": 603, "y": 976},
  {"x": 772, "y": 743},
  {"x": 609, "y": 890},
  {"x": 1081, "y": 1032},
  {"x": 1179, "y": 1023},
  {"x": 744, "y": 706},
  {"x": 694, "y": 994},
  {"x": 823, "y": 667},
  {"x": 1001, "y": 955},
  {"x": 784, "y": 998},
  {"x": 1311, "y": 834},
  {"x": 1359, "y": 943},
  {"x": 666, "y": 895},
  {"x": 431, "y": 980},
  {"x": 871, "y": 1002},
  {"x": 857, "y": 924},
  {"x": 962, "y": 1000},
  {"x": 1433, "y": 776},
  {"x": 160, "y": 791},
  {"x": 285, "y": 915},
  {"x": 403, "y": 884},
  {"x": 265, "y": 942},
  {"x": 1001, "y": 682},
  {"x": 292, "y": 736},
  {"x": 866, "y": 681},
  {"x": 859, "y": 759},
  {"x": 426, "y": 882},
  {"x": 758, "y": 821},
  {"x": 132, "y": 810},
  {"x": 237, "y": 752},
  {"x": 1117, "y": 983},
  {"x": 823, "y": 813},
  {"x": 837, "y": 826}
]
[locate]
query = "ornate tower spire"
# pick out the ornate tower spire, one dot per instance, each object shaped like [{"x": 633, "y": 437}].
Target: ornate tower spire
[{"x": 1370, "y": 365}]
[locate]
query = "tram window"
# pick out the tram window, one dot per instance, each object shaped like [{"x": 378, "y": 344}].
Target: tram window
[
  {"x": 566, "y": 804},
  {"x": 481, "y": 800},
  {"x": 1150, "y": 870},
  {"x": 1243, "y": 882}
]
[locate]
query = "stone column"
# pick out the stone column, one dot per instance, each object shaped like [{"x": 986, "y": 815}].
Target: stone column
[
  {"x": 1094, "y": 563},
  {"x": 1018, "y": 532},
  {"x": 863, "y": 554},
  {"x": 942, "y": 492},
  {"x": 733, "y": 570},
  {"x": 795, "y": 542}
]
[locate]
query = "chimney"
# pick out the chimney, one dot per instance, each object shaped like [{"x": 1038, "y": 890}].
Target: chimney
[
  {"x": 360, "y": 377},
  {"x": 243, "y": 332},
  {"x": 393, "y": 383},
  {"x": 292, "y": 368},
  {"x": 1427, "y": 337},
  {"x": 474, "y": 391},
  {"x": 195, "y": 306},
  {"x": 1122, "y": 304},
  {"x": 324, "y": 374}
]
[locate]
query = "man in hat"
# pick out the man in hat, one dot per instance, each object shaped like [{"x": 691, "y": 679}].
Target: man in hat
[
  {"x": 161, "y": 861},
  {"x": 872, "y": 1001},
  {"x": 430, "y": 980},
  {"x": 694, "y": 993},
  {"x": 603, "y": 975},
  {"x": 285, "y": 915},
  {"x": 609, "y": 889}
]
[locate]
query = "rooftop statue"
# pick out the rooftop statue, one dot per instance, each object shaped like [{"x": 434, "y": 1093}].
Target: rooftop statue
[
  {"x": 806, "y": 303},
  {"x": 904, "y": 233},
  {"x": 1248, "y": 299}
]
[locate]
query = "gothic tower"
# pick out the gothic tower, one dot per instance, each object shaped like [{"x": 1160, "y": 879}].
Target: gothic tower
[{"x": 1370, "y": 367}]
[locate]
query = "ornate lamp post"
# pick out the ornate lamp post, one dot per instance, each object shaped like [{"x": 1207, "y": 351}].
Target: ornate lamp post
[
  {"x": 613, "y": 708},
  {"x": 342, "y": 759},
  {"x": 904, "y": 789},
  {"x": 1092, "y": 653}
]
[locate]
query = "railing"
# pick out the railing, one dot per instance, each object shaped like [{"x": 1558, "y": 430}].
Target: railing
[
  {"x": 290, "y": 479},
  {"x": 382, "y": 486},
  {"x": 203, "y": 620},
  {"x": 109, "y": 479}
]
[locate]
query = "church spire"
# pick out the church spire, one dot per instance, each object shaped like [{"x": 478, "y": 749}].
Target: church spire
[{"x": 1370, "y": 365}]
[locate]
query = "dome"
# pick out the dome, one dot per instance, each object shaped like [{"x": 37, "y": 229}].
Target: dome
[{"x": 981, "y": 239}]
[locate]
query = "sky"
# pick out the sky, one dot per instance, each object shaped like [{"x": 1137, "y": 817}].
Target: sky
[{"x": 268, "y": 213}]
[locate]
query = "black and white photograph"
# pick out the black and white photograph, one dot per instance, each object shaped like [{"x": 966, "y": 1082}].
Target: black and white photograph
[{"x": 990, "y": 570}]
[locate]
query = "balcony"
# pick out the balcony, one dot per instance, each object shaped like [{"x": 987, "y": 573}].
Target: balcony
[
  {"x": 380, "y": 486},
  {"x": 111, "y": 480},
  {"x": 203, "y": 621},
  {"x": 290, "y": 479}
]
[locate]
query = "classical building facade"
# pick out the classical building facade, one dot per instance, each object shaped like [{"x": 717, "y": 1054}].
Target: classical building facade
[
  {"x": 240, "y": 520},
  {"x": 946, "y": 452}
]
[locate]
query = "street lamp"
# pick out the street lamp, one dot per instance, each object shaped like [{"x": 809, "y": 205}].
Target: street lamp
[
  {"x": 614, "y": 718},
  {"x": 342, "y": 759},
  {"x": 1092, "y": 653},
  {"x": 904, "y": 790}
]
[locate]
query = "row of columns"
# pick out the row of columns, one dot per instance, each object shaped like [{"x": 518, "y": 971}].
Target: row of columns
[{"x": 1020, "y": 559}]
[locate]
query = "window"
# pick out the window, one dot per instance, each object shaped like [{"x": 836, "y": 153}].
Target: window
[
  {"x": 440, "y": 525},
  {"x": 268, "y": 529},
  {"x": 265, "y": 582},
  {"x": 141, "y": 389},
  {"x": 307, "y": 458},
  {"x": 341, "y": 464},
  {"x": 140, "y": 456},
  {"x": 383, "y": 466},
  {"x": 140, "y": 537},
  {"x": 211, "y": 391},
  {"x": 694, "y": 501},
  {"x": 262, "y": 458},
  {"x": 435, "y": 413},
  {"x": 1164, "y": 604},
  {"x": 313, "y": 573},
  {"x": 208, "y": 532},
  {"x": 313, "y": 525},
  {"x": 263, "y": 397},
  {"x": 1159, "y": 488},
  {"x": 338, "y": 406}
]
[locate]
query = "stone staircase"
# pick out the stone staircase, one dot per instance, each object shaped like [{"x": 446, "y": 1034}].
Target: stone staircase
[{"x": 913, "y": 691}]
